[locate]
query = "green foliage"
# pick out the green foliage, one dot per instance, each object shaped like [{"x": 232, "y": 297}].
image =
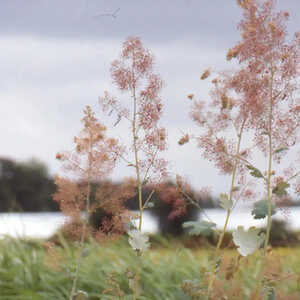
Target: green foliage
[
  {"x": 280, "y": 188},
  {"x": 200, "y": 227},
  {"x": 260, "y": 209},
  {"x": 26, "y": 272},
  {"x": 25, "y": 186},
  {"x": 280, "y": 150},
  {"x": 255, "y": 172},
  {"x": 281, "y": 235}
]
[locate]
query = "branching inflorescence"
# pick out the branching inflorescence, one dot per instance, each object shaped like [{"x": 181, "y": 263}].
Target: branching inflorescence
[
  {"x": 92, "y": 160},
  {"x": 253, "y": 109},
  {"x": 133, "y": 74},
  {"x": 258, "y": 101}
]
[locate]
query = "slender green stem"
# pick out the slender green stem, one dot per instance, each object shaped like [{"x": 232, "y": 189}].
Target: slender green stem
[
  {"x": 269, "y": 192},
  {"x": 194, "y": 202},
  {"x": 137, "y": 167},
  {"x": 221, "y": 237},
  {"x": 138, "y": 174},
  {"x": 293, "y": 176},
  {"x": 84, "y": 229},
  {"x": 216, "y": 255},
  {"x": 135, "y": 288},
  {"x": 148, "y": 199}
]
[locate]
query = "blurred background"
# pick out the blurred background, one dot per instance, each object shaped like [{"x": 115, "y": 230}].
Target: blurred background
[{"x": 55, "y": 59}]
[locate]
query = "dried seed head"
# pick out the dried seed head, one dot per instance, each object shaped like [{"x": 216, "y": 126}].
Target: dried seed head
[
  {"x": 183, "y": 140},
  {"x": 190, "y": 96},
  {"x": 272, "y": 27},
  {"x": 205, "y": 74},
  {"x": 59, "y": 156},
  {"x": 224, "y": 101},
  {"x": 284, "y": 56},
  {"x": 233, "y": 52}
]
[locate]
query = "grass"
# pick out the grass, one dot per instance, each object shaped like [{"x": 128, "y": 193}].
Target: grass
[{"x": 28, "y": 271}]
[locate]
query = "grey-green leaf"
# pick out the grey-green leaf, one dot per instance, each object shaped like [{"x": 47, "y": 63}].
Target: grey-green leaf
[
  {"x": 81, "y": 295},
  {"x": 260, "y": 209},
  {"x": 200, "y": 227},
  {"x": 281, "y": 149},
  {"x": 225, "y": 202},
  {"x": 255, "y": 172},
  {"x": 247, "y": 241},
  {"x": 280, "y": 188},
  {"x": 149, "y": 205}
]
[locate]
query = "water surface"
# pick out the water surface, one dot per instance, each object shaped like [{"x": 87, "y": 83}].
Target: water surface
[{"x": 43, "y": 225}]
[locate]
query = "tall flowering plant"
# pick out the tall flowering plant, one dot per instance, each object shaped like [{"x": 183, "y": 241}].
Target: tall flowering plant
[
  {"x": 92, "y": 159},
  {"x": 133, "y": 74},
  {"x": 223, "y": 123},
  {"x": 259, "y": 104},
  {"x": 268, "y": 82}
]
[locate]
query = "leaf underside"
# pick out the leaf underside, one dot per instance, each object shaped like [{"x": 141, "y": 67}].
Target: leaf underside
[{"x": 247, "y": 241}]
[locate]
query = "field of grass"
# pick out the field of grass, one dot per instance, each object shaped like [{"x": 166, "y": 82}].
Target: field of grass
[{"x": 30, "y": 271}]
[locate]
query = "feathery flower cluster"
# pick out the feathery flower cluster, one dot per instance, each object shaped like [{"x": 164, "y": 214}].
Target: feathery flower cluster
[
  {"x": 92, "y": 160},
  {"x": 133, "y": 73},
  {"x": 184, "y": 139}
]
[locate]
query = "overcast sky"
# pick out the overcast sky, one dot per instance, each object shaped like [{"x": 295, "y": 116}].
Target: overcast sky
[{"x": 55, "y": 57}]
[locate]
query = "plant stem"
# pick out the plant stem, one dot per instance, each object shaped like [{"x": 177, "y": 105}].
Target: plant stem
[
  {"x": 221, "y": 237},
  {"x": 137, "y": 168},
  {"x": 138, "y": 176},
  {"x": 269, "y": 192},
  {"x": 85, "y": 223}
]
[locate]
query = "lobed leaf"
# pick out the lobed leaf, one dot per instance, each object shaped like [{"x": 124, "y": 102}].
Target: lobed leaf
[
  {"x": 260, "y": 209},
  {"x": 138, "y": 240},
  {"x": 225, "y": 202},
  {"x": 200, "y": 227}
]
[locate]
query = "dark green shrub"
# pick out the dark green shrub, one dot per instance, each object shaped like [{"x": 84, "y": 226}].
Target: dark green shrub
[{"x": 281, "y": 235}]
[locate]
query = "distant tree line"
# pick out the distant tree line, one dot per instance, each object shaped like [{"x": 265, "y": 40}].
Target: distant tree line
[
  {"x": 28, "y": 187},
  {"x": 25, "y": 187}
]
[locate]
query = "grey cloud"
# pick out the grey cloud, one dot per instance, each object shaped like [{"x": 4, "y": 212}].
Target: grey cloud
[
  {"x": 154, "y": 20},
  {"x": 55, "y": 58},
  {"x": 203, "y": 21}
]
